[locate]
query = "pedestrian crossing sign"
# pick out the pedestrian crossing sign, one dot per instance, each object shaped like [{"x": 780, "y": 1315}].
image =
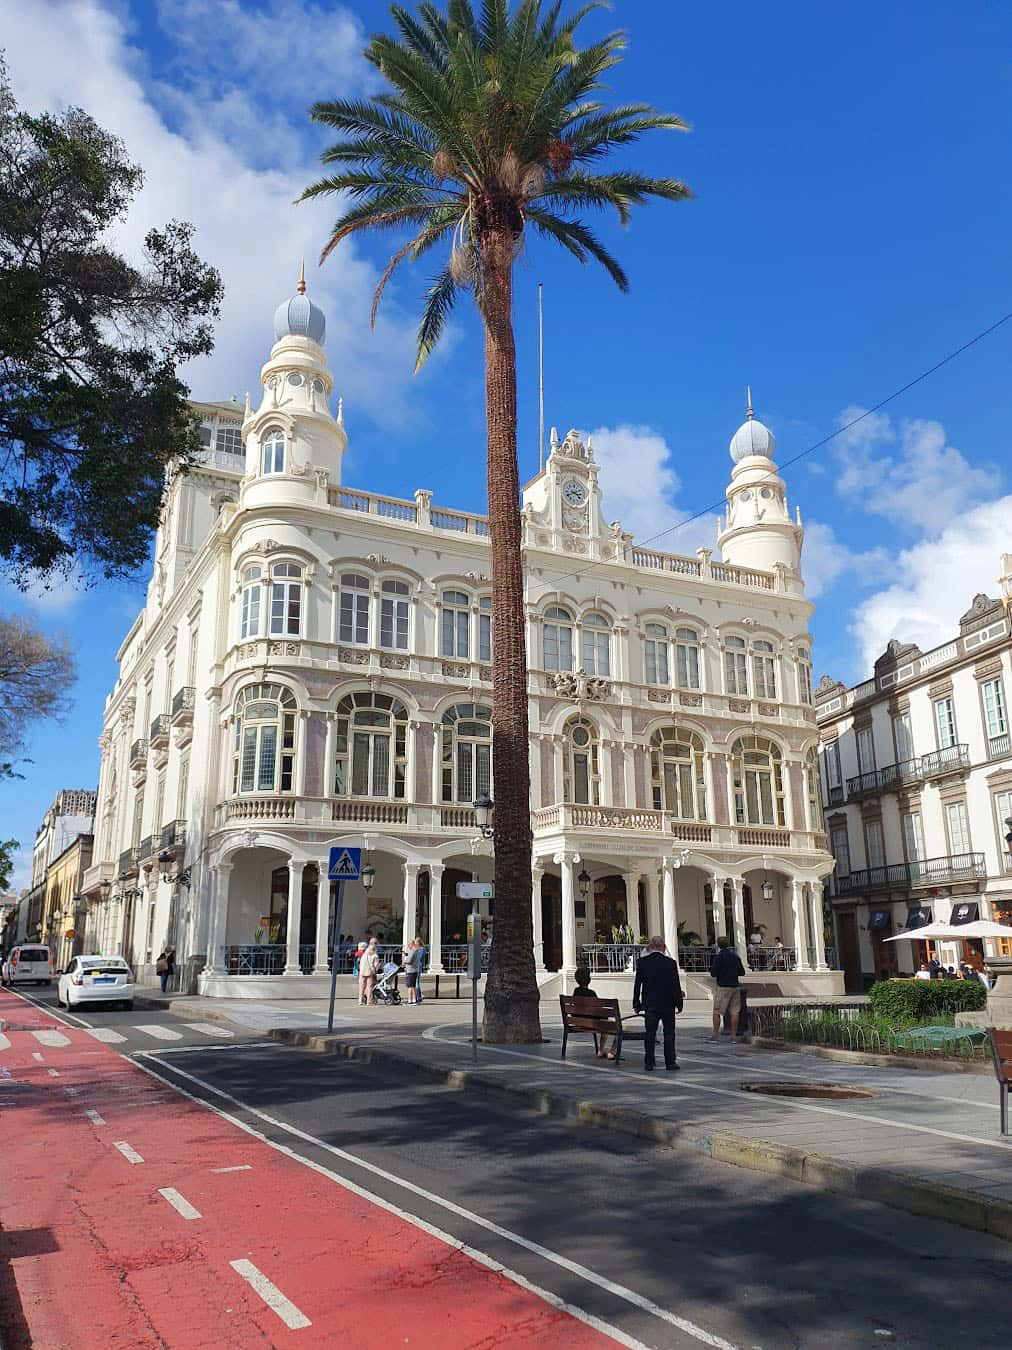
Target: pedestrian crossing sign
[{"x": 345, "y": 864}]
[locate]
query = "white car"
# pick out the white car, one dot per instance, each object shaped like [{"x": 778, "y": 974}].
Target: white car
[
  {"x": 30, "y": 964},
  {"x": 96, "y": 979}
]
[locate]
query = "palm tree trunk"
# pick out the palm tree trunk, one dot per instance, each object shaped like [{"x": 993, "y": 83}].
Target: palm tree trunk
[{"x": 511, "y": 990}]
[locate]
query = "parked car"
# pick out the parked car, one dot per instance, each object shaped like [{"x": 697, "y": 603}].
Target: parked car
[
  {"x": 96, "y": 979},
  {"x": 29, "y": 964}
]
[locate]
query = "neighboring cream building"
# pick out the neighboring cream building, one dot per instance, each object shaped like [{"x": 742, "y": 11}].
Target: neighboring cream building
[
  {"x": 917, "y": 789},
  {"x": 313, "y": 667},
  {"x": 63, "y": 920},
  {"x": 71, "y": 814}
]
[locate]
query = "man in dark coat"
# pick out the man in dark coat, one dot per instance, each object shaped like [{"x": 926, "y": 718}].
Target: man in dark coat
[{"x": 657, "y": 991}]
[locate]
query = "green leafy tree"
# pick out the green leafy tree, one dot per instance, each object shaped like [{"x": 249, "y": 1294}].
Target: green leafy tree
[
  {"x": 91, "y": 408},
  {"x": 8, "y": 847},
  {"x": 490, "y": 127}
]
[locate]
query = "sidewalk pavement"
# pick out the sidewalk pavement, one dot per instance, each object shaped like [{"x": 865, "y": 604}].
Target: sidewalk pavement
[{"x": 924, "y": 1140}]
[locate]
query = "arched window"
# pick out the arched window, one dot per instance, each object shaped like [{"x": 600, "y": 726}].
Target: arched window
[
  {"x": 263, "y": 758},
  {"x": 252, "y": 601},
  {"x": 805, "y": 674},
  {"x": 394, "y": 616},
  {"x": 764, "y": 669},
  {"x": 758, "y": 782},
  {"x": 455, "y": 620},
  {"x": 735, "y": 666},
  {"x": 286, "y": 599},
  {"x": 467, "y": 752},
  {"x": 581, "y": 771},
  {"x": 371, "y": 746},
  {"x": 353, "y": 610},
  {"x": 813, "y": 790},
  {"x": 557, "y": 640},
  {"x": 676, "y": 765},
  {"x": 485, "y": 628},
  {"x": 596, "y": 644},
  {"x": 686, "y": 658},
  {"x": 655, "y": 651},
  {"x": 272, "y": 451}
]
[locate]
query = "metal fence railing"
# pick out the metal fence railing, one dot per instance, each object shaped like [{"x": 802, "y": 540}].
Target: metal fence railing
[
  {"x": 618, "y": 957},
  {"x": 848, "y": 1027}
]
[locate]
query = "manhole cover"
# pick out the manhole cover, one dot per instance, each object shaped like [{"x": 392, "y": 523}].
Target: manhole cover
[{"x": 833, "y": 1091}]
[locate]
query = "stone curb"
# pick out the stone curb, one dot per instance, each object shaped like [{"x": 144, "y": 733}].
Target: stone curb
[
  {"x": 966, "y": 1209},
  {"x": 865, "y": 1057}
]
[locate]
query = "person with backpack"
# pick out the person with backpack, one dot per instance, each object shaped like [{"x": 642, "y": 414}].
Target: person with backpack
[
  {"x": 165, "y": 966},
  {"x": 726, "y": 970}
]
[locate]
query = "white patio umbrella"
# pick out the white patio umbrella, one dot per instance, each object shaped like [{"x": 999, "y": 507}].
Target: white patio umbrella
[{"x": 950, "y": 932}]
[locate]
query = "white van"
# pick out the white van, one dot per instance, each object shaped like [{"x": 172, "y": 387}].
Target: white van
[{"x": 30, "y": 964}]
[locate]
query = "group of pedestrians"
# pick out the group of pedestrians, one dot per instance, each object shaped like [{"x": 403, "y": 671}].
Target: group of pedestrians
[
  {"x": 368, "y": 966},
  {"x": 966, "y": 970}
]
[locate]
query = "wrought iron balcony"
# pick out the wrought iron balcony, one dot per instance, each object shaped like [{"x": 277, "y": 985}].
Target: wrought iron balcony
[
  {"x": 128, "y": 862},
  {"x": 182, "y": 705},
  {"x": 950, "y": 760},
  {"x": 925, "y": 872},
  {"x": 160, "y": 731},
  {"x": 173, "y": 836},
  {"x": 146, "y": 848},
  {"x": 139, "y": 753},
  {"x": 893, "y": 776}
]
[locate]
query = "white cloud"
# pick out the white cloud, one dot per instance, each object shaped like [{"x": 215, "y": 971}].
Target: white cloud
[
  {"x": 908, "y": 473},
  {"x": 828, "y": 560},
  {"x": 936, "y": 579},
  {"x": 640, "y": 486},
  {"x": 235, "y": 180}
]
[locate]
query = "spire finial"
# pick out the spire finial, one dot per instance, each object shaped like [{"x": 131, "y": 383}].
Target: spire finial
[
  {"x": 302, "y": 278},
  {"x": 748, "y": 401}
]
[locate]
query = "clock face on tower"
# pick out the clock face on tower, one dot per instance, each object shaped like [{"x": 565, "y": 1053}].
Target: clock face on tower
[{"x": 574, "y": 493}]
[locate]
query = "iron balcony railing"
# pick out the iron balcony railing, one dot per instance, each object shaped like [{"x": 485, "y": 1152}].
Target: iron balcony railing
[
  {"x": 998, "y": 746},
  {"x": 160, "y": 729},
  {"x": 139, "y": 752},
  {"x": 173, "y": 835},
  {"x": 933, "y": 765},
  {"x": 128, "y": 861},
  {"x": 182, "y": 704},
  {"x": 145, "y": 848},
  {"x": 911, "y": 875}
]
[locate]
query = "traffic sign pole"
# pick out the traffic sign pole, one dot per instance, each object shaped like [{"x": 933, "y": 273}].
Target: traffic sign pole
[
  {"x": 335, "y": 955},
  {"x": 474, "y": 970}
]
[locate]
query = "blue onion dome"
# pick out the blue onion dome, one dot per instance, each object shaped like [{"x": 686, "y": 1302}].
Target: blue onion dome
[
  {"x": 299, "y": 317},
  {"x": 752, "y": 437}
]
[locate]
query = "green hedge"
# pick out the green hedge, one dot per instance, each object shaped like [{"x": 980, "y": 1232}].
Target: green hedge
[{"x": 896, "y": 1000}]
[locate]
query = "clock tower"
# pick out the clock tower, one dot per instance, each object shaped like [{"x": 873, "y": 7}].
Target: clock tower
[{"x": 563, "y": 503}]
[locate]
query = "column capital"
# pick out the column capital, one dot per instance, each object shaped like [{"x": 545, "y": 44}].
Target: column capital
[
  {"x": 298, "y": 865},
  {"x": 436, "y": 870},
  {"x": 566, "y": 855},
  {"x": 411, "y": 868},
  {"x": 223, "y": 869}
]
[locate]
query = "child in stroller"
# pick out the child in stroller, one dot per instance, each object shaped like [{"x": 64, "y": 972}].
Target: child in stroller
[{"x": 386, "y": 986}]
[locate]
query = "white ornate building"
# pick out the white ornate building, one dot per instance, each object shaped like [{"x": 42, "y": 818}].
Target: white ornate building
[{"x": 313, "y": 667}]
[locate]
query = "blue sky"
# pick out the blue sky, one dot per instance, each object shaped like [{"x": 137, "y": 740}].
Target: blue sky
[{"x": 850, "y": 228}]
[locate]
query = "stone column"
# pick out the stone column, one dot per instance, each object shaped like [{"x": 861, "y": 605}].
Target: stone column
[
  {"x": 320, "y": 966},
  {"x": 537, "y": 871},
  {"x": 800, "y": 926},
  {"x": 302, "y": 733},
  {"x": 567, "y": 862},
  {"x": 717, "y": 886},
  {"x": 410, "y": 903},
  {"x": 738, "y": 913},
  {"x": 817, "y": 927},
  {"x": 217, "y": 904},
  {"x": 295, "y": 869},
  {"x": 653, "y": 903},
  {"x": 670, "y": 912},
  {"x": 435, "y": 966}
]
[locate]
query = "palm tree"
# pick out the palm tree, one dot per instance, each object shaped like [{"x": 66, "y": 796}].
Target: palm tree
[{"x": 490, "y": 128}]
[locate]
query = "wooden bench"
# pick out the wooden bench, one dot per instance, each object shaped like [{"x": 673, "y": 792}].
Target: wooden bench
[
  {"x": 599, "y": 1016},
  {"x": 1001, "y": 1050}
]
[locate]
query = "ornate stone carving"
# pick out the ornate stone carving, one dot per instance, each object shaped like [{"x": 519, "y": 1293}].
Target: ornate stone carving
[
  {"x": 768, "y": 709},
  {"x": 658, "y": 696},
  {"x": 690, "y": 700},
  {"x": 485, "y": 673},
  {"x": 283, "y": 649},
  {"x": 353, "y": 656},
  {"x": 577, "y": 684},
  {"x": 574, "y": 517},
  {"x": 266, "y": 546},
  {"x": 299, "y": 470},
  {"x": 574, "y": 545},
  {"x": 738, "y": 705},
  {"x": 377, "y": 559},
  {"x": 456, "y": 670},
  {"x": 476, "y": 576},
  {"x": 389, "y": 662},
  {"x": 748, "y": 623},
  {"x": 248, "y": 652}
]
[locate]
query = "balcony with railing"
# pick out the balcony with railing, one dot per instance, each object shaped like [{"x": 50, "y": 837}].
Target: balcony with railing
[
  {"x": 139, "y": 753},
  {"x": 146, "y": 848},
  {"x": 937, "y": 764},
  {"x": 173, "y": 836},
  {"x": 128, "y": 862},
  {"x": 998, "y": 746},
  {"x": 921, "y": 874},
  {"x": 158, "y": 737},
  {"x": 183, "y": 701}
]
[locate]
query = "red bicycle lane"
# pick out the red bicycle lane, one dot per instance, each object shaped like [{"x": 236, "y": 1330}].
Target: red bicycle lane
[{"x": 131, "y": 1216}]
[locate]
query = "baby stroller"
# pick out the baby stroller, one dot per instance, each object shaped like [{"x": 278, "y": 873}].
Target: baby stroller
[{"x": 386, "y": 986}]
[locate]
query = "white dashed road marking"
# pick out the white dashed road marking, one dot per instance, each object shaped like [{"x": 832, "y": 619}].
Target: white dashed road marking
[
  {"x": 271, "y": 1295},
  {"x": 179, "y": 1203},
  {"x": 160, "y": 1033},
  {"x": 106, "y": 1035},
  {"x": 243, "y": 1167},
  {"x": 53, "y": 1073},
  {"x": 129, "y": 1153},
  {"x": 209, "y": 1029},
  {"x": 4, "y": 1042},
  {"x": 49, "y": 1037},
  {"x": 94, "y": 1117},
  {"x": 37, "y": 1054}
]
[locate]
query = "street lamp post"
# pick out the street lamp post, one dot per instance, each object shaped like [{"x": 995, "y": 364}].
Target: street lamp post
[{"x": 483, "y": 808}]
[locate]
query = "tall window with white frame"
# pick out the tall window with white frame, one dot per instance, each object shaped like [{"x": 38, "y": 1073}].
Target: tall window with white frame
[
  {"x": 1003, "y": 811},
  {"x": 455, "y": 624},
  {"x": 757, "y": 781},
  {"x": 874, "y": 849},
  {"x": 485, "y": 628},
  {"x": 686, "y": 658},
  {"x": 903, "y": 738},
  {"x": 833, "y": 771},
  {"x": 957, "y": 827},
  {"x": 252, "y": 602},
  {"x": 557, "y": 638},
  {"x": 813, "y": 789},
  {"x": 913, "y": 842},
  {"x": 655, "y": 654},
  {"x": 764, "y": 669},
  {"x": 992, "y": 693},
  {"x": 263, "y": 748},
  {"x": 735, "y": 665},
  {"x": 945, "y": 722},
  {"x": 595, "y": 632},
  {"x": 805, "y": 675},
  {"x": 466, "y": 752},
  {"x": 353, "y": 610},
  {"x": 581, "y": 773},
  {"x": 272, "y": 451},
  {"x": 865, "y": 741},
  {"x": 676, "y": 771},
  {"x": 371, "y": 746},
  {"x": 394, "y": 601},
  {"x": 839, "y": 843},
  {"x": 286, "y": 600}
]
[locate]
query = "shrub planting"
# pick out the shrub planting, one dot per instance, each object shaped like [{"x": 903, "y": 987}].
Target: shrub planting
[{"x": 903, "y": 1001}]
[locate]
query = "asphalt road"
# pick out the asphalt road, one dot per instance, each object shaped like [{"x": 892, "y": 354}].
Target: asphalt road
[{"x": 671, "y": 1248}]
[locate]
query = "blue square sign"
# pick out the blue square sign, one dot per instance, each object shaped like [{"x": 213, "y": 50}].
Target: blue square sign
[{"x": 345, "y": 864}]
